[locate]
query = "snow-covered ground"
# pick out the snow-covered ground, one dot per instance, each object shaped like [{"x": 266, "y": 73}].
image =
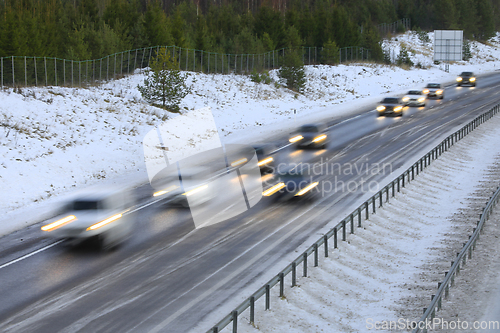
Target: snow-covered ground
[{"x": 387, "y": 271}]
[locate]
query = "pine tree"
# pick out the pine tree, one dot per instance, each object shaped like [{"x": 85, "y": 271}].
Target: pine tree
[{"x": 164, "y": 82}]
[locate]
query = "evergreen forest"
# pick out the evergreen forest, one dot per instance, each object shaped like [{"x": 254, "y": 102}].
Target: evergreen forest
[{"x": 92, "y": 29}]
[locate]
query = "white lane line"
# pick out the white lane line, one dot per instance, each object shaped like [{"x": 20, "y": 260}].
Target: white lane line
[{"x": 29, "y": 254}]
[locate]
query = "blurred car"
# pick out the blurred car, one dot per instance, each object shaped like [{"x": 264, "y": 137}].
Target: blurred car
[
  {"x": 291, "y": 184},
  {"x": 265, "y": 157},
  {"x": 310, "y": 136},
  {"x": 434, "y": 90},
  {"x": 466, "y": 78},
  {"x": 414, "y": 98},
  {"x": 100, "y": 215},
  {"x": 192, "y": 186},
  {"x": 390, "y": 106}
]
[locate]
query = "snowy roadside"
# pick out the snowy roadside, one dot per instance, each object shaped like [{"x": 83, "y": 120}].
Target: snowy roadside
[
  {"x": 388, "y": 270},
  {"x": 55, "y": 140}
]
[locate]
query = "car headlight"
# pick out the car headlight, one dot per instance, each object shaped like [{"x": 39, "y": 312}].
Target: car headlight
[
  {"x": 265, "y": 161},
  {"x": 104, "y": 222},
  {"x": 59, "y": 223},
  {"x": 439, "y": 92},
  {"x": 270, "y": 191},
  {"x": 459, "y": 79},
  {"x": 162, "y": 192},
  {"x": 398, "y": 108},
  {"x": 296, "y": 138},
  {"x": 421, "y": 99},
  {"x": 307, "y": 189},
  {"x": 239, "y": 162},
  {"x": 380, "y": 108},
  {"x": 472, "y": 79},
  {"x": 406, "y": 99},
  {"x": 426, "y": 91},
  {"x": 195, "y": 190},
  {"x": 319, "y": 138}
]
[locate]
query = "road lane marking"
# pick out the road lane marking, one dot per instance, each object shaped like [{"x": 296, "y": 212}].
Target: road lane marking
[{"x": 30, "y": 254}]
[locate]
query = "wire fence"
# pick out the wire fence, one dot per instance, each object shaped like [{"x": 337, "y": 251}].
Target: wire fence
[
  {"x": 22, "y": 71},
  {"x": 392, "y": 28}
]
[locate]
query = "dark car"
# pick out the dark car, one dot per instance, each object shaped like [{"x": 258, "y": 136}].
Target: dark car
[
  {"x": 434, "y": 90},
  {"x": 390, "y": 106},
  {"x": 310, "y": 136},
  {"x": 265, "y": 156},
  {"x": 466, "y": 78},
  {"x": 290, "y": 184}
]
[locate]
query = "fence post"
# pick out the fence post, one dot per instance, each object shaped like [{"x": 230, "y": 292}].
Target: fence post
[
  {"x": 304, "y": 267},
  {"x": 268, "y": 297},
  {"x": 25, "y": 74},
  {"x": 325, "y": 241},
  {"x": 335, "y": 237},
  {"x": 282, "y": 284},
  {"x": 315, "y": 255},
  {"x": 235, "y": 321},
  {"x": 294, "y": 274},
  {"x": 36, "y": 77},
  {"x": 55, "y": 69},
  {"x": 13, "y": 74},
  {"x": 344, "y": 231},
  {"x": 252, "y": 309}
]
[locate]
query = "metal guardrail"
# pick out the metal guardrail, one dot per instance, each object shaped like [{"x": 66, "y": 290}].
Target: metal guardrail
[{"x": 356, "y": 217}]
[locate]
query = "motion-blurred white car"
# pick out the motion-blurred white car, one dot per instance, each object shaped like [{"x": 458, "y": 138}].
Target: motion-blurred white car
[
  {"x": 414, "y": 98},
  {"x": 194, "y": 187},
  {"x": 101, "y": 214}
]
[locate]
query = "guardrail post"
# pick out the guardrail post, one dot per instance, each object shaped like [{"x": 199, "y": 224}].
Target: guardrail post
[
  {"x": 294, "y": 274},
  {"x": 343, "y": 230},
  {"x": 392, "y": 183},
  {"x": 398, "y": 184},
  {"x": 403, "y": 180},
  {"x": 215, "y": 329},
  {"x": 335, "y": 237},
  {"x": 315, "y": 255},
  {"x": 235, "y": 321},
  {"x": 268, "y": 297},
  {"x": 252, "y": 309},
  {"x": 447, "y": 288},
  {"x": 282, "y": 284},
  {"x": 413, "y": 172},
  {"x": 373, "y": 204},
  {"x": 366, "y": 211},
  {"x": 304, "y": 270},
  {"x": 351, "y": 218},
  {"x": 380, "y": 198},
  {"x": 359, "y": 217},
  {"x": 325, "y": 241}
]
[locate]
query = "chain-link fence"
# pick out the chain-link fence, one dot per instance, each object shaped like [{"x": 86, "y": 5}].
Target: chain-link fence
[{"x": 18, "y": 71}]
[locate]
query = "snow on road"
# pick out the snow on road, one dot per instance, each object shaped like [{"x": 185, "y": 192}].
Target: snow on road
[{"x": 388, "y": 270}]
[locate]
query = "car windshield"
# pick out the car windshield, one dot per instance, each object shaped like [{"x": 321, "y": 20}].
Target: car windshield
[
  {"x": 433, "y": 85},
  {"x": 466, "y": 74},
  {"x": 414, "y": 92},
  {"x": 86, "y": 205},
  {"x": 390, "y": 100},
  {"x": 309, "y": 129}
]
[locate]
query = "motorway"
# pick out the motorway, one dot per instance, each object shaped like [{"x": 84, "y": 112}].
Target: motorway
[{"x": 172, "y": 277}]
